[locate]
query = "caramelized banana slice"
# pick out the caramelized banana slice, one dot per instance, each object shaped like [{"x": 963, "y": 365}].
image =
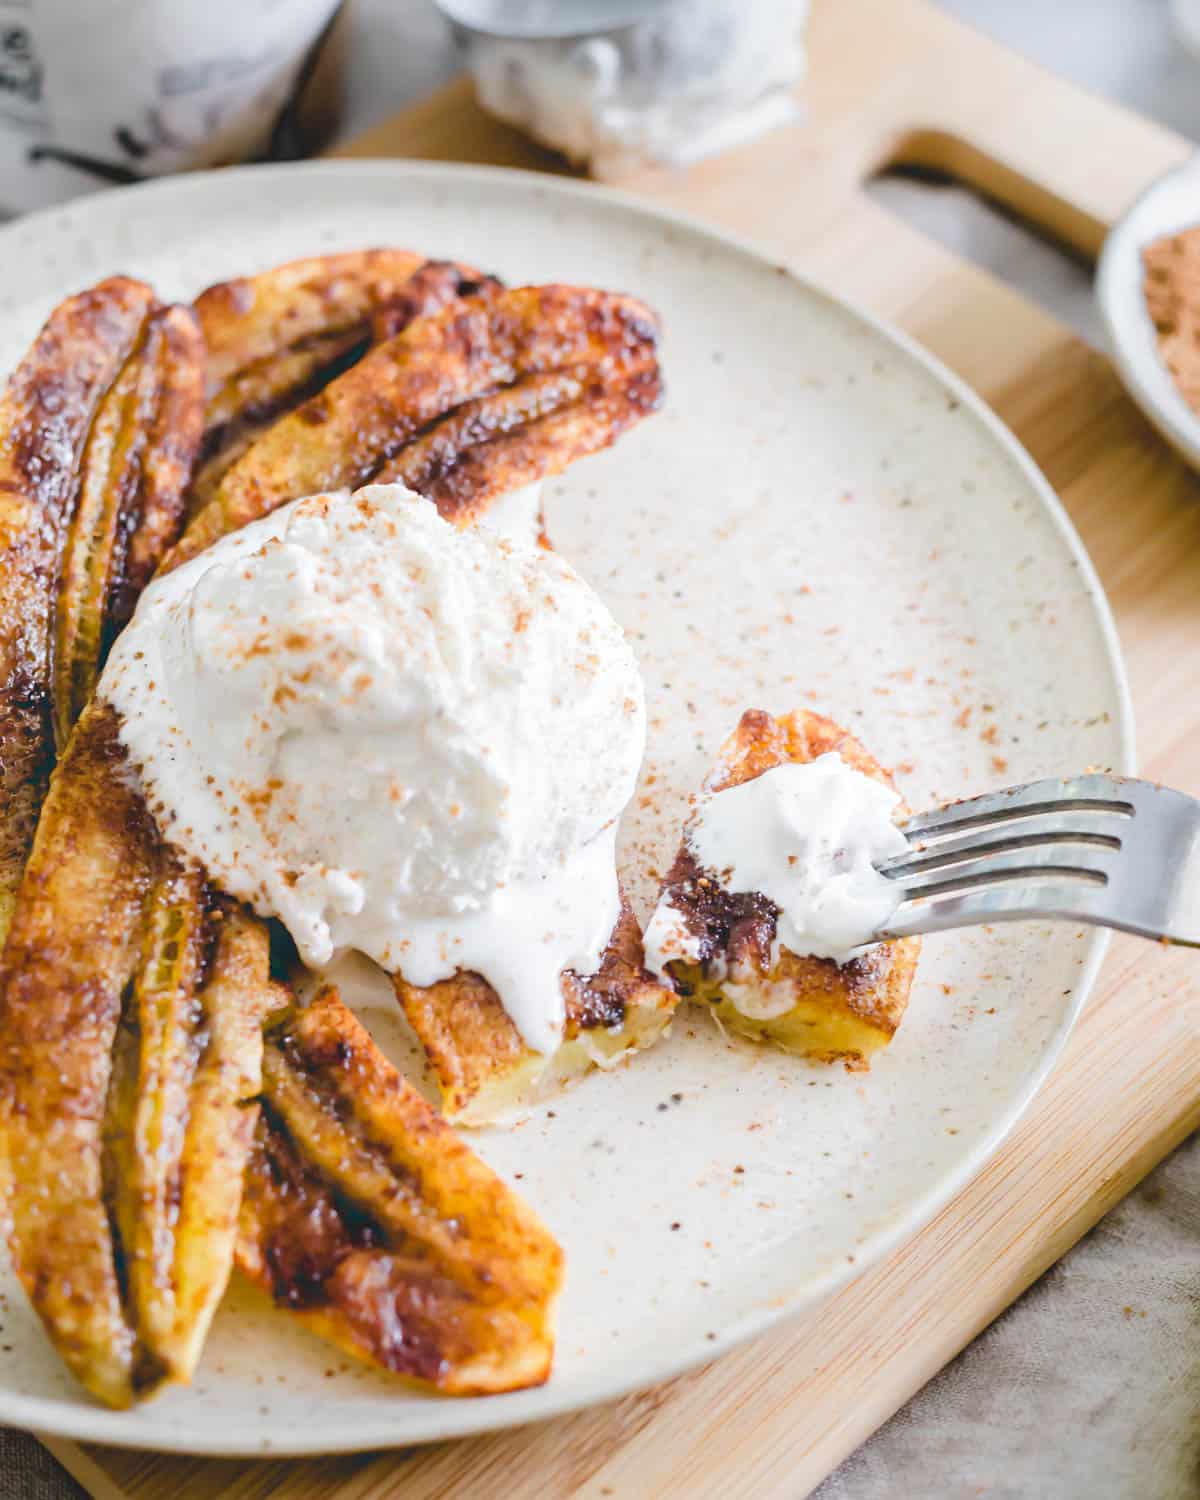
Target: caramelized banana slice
[
  {"x": 135, "y": 469},
  {"x": 519, "y": 436},
  {"x": 179, "y": 1132},
  {"x": 253, "y": 318},
  {"x": 812, "y": 1006},
  {"x": 485, "y": 1071},
  {"x": 131, "y": 1007},
  {"x": 278, "y": 338},
  {"x": 265, "y": 388},
  {"x": 175, "y": 426},
  {"x": 235, "y": 999},
  {"x": 147, "y": 1097},
  {"x": 367, "y": 1217},
  {"x": 347, "y": 433},
  {"x": 70, "y": 953},
  {"x": 46, "y": 413}
]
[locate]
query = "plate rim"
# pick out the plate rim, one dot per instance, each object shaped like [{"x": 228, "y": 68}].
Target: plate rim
[{"x": 460, "y": 1417}]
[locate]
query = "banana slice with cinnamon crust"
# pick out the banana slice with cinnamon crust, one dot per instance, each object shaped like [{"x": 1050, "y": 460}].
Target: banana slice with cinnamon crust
[
  {"x": 278, "y": 338},
  {"x": 136, "y": 468},
  {"x": 45, "y": 415},
  {"x": 250, "y": 319},
  {"x": 811, "y": 1006},
  {"x": 518, "y": 436},
  {"x": 131, "y": 1010},
  {"x": 98, "y": 429},
  {"x": 485, "y": 1071},
  {"x": 482, "y": 350},
  {"x": 368, "y": 1218}
]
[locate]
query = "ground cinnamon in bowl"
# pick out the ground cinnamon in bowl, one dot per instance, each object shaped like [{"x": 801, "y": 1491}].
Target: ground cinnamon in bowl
[{"x": 1172, "y": 290}]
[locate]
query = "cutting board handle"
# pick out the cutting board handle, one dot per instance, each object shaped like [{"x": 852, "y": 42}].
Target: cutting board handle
[
  {"x": 1079, "y": 221},
  {"x": 936, "y": 93}
]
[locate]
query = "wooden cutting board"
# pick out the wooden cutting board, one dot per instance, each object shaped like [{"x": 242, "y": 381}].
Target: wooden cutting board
[{"x": 891, "y": 81}]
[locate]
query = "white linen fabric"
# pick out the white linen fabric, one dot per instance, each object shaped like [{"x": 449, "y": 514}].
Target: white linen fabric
[{"x": 1088, "y": 1386}]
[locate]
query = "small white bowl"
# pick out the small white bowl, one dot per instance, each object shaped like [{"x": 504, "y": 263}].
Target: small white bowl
[{"x": 1170, "y": 204}]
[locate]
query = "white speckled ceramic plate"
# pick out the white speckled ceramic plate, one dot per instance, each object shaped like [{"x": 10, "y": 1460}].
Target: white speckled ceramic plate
[
  {"x": 820, "y": 516},
  {"x": 1168, "y": 205}
]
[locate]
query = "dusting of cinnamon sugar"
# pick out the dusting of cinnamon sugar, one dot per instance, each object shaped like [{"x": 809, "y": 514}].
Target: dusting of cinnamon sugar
[{"x": 1172, "y": 290}]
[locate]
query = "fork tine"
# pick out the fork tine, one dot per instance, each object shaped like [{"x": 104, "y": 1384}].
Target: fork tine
[
  {"x": 1087, "y": 827},
  {"x": 1036, "y": 867},
  {"x": 1072, "y": 902},
  {"x": 1072, "y": 794},
  {"x": 1104, "y": 850}
]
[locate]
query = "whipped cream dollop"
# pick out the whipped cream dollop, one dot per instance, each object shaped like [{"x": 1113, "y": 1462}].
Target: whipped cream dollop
[
  {"x": 394, "y": 736},
  {"x": 808, "y": 836}
]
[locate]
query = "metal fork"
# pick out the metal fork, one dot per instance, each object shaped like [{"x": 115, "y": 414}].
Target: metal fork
[{"x": 1105, "y": 850}]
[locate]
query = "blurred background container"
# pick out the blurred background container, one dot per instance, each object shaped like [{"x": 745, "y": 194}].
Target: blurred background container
[
  {"x": 99, "y": 94},
  {"x": 93, "y": 94},
  {"x": 617, "y": 83}
]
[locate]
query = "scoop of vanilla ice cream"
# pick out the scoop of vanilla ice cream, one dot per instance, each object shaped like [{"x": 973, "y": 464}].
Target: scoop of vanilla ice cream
[{"x": 394, "y": 736}]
